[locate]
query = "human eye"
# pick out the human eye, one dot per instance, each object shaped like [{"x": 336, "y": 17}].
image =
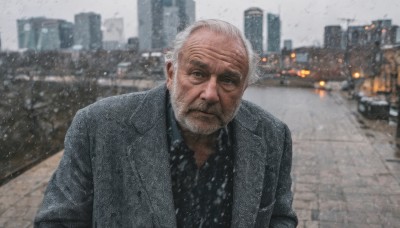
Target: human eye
[
  {"x": 229, "y": 82},
  {"x": 197, "y": 74}
]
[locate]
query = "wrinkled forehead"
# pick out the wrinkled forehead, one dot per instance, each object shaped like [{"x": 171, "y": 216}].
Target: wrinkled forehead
[
  {"x": 219, "y": 43},
  {"x": 204, "y": 34}
]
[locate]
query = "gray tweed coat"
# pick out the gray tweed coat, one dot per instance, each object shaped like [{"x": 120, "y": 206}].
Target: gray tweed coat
[{"x": 115, "y": 168}]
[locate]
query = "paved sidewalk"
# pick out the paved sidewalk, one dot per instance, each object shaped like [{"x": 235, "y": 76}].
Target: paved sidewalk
[
  {"x": 20, "y": 198},
  {"x": 345, "y": 170},
  {"x": 346, "y": 174}
]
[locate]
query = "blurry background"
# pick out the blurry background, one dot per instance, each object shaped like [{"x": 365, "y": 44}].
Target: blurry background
[
  {"x": 59, "y": 56},
  {"x": 303, "y": 21},
  {"x": 329, "y": 69}
]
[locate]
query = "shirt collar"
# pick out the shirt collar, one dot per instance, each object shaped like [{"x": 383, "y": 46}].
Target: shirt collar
[{"x": 174, "y": 131}]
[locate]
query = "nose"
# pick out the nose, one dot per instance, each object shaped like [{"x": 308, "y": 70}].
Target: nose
[{"x": 210, "y": 91}]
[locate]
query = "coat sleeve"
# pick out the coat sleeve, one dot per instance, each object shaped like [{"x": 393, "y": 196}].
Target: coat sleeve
[
  {"x": 69, "y": 195},
  {"x": 283, "y": 214}
]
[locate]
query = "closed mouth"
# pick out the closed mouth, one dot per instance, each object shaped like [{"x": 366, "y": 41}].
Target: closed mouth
[{"x": 204, "y": 112}]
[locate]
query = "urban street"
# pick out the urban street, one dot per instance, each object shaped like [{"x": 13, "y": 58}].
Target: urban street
[{"x": 346, "y": 169}]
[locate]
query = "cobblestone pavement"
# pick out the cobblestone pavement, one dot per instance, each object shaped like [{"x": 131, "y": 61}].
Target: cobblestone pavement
[
  {"x": 20, "y": 198},
  {"x": 345, "y": 169}
]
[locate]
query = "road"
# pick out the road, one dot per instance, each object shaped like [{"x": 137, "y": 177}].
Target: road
[{"x": 345, "y": 169}]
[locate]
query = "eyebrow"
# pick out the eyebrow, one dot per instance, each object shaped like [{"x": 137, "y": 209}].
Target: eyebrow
[
  {"x": 205, "y": 66},
  {"x": 198, "y": 63},
  {"x": 233, "y": 73}
]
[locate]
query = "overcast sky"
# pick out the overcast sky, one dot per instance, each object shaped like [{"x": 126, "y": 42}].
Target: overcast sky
[{"x": 303, "y": 21}]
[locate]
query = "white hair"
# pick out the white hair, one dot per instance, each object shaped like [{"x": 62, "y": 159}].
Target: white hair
[{"x": 221, "y": 27}]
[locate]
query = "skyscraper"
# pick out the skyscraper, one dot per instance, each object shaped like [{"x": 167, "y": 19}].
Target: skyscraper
[
  {"x": 253, "y": 27},
  {"x": 171, "y": 23},
  {"x": 186, "y": 12},
  {"x": 333, "y": 37},
  {"x": 66, "y": 34},
  {"x": 49, "y": 35},
  {"x": 395, "y": 34},
  {"x": 150, "y": 16},
  {"x": 178, "y": 14},
  {"x": 357, "y": 36},
  {"x": 381, "y": 31},
  {"x": 87, "y": 32},
  {"x": 113, "y": 34},
  {"x": 288, "y": 44},
  {"x": 273, "y": 33},
  {"x": 43, "y": 34},
  {"x": 28, "y": 32},
  {"x": 133, "y": 43}
]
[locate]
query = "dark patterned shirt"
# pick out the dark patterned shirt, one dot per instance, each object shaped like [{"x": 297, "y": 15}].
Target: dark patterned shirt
[{"x": 202, "y": 196}]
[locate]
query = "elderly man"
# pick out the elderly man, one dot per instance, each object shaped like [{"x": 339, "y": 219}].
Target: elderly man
[{"x": 189, "y": 153}]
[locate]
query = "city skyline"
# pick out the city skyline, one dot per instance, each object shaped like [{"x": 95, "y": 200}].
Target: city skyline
[
  {"x": 273, "y": 38},
  {"x": 298, "y": 18},
  {"x": 253, "y": 28}
]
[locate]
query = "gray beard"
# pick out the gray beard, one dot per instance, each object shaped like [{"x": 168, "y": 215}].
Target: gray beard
[{"x": 185, "y": 123}]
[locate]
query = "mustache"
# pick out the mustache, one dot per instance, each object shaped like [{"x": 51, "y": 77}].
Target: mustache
[{"x": 206, "y": 107}]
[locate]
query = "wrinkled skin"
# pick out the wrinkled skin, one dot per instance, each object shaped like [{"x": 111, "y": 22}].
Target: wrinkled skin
[{"x": 208, "y": 84}]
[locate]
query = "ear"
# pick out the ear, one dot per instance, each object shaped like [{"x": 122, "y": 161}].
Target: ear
[{"x": 170, "y": 74}]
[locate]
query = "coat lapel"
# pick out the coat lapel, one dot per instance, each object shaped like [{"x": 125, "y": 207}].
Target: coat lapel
[
  {"x": 150, "y": 161},
  {"x": 150, "y": 158},
  {"x": 249, "y": 170}
]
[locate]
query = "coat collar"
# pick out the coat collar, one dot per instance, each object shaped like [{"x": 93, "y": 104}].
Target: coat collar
[
  {"x": 150, "y": 109},
  {"x": 249, "y": 169},
  {"x": 150, "y": 160}
]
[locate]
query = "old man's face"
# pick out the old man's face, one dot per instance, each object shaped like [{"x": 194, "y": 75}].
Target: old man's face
[{"x": 208, "y": 84}]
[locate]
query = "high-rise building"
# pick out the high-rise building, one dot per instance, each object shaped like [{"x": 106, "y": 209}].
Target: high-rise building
[
  {"x": 273, "y": 33},
  {"x": 380, "y": 32},
  {"x": 113, "y": 33},
  {"x": 87, "y": 32},
  {"x": 28, "y": 32},
  {"x": 43, "y": 34},
  {"x": 190, "y": 12},
  {"x": 178, "y": 14},
  {"x": 0, "y": 41},
  {"x": 253, "y": 28},
  {"x": 357, "y": 36},
  {"x": 395, "y": 34},
  {"x": 49, "y": 35},
  {"x": 333, "y": 37},
  {"x": 171, "y": 23},
  {"x": 186, "y": 12},
  {"x": 133, "y": 43},
  {"x": 288, "y": 44},
  {"x": 66, "y": 34},
  {"x": 150, "y": 17}
]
